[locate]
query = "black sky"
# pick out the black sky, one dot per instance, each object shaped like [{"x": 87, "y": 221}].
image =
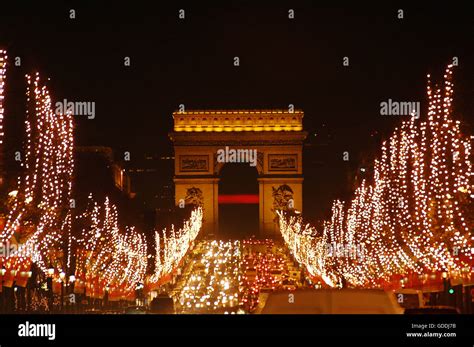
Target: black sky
[{"x": 283, "y": 61}]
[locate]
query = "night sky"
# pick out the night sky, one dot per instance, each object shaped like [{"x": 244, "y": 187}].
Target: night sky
[{"x": 282, "y": 62}]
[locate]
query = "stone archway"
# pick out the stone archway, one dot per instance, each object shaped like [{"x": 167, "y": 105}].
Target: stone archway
[{"x": 276, "y": 136}]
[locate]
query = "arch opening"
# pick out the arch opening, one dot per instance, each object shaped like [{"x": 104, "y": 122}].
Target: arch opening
[{"x": 238, "y": 201}]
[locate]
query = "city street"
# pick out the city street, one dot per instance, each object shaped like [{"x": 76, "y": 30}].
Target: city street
[{"x": 230, "y": 277}]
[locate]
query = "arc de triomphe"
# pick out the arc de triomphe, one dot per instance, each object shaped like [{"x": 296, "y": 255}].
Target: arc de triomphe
[{"x": 277, "y": 137}]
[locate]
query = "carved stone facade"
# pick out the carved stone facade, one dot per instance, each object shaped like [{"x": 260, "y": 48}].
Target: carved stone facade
[{"x": 276, "y": 136}]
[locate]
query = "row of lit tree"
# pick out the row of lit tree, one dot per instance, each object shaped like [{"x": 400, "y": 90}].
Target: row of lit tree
[
  {"x": 413, "y": 218},
  {"x": 88, "y": 248},
  {"x": 38, "y": 216},
  {"x": 106, "y": 259},
  {"x": 172, "y": 245}
]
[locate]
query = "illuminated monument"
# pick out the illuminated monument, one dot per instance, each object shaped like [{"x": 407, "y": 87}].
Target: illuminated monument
[{"x": 276, "y": 135}]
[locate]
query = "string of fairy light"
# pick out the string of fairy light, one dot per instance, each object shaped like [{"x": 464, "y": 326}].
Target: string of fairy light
[
  {"x": 108, "y": 259},
  {"x": 101, "y": 256},
  {"x": 45, "y": 186},
  {"x": 3, "y": 71},
  {"x": 411, "y": 219},
  {"x": 171, "y": 246}
]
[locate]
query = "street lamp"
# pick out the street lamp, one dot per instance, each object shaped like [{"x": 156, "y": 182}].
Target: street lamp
[
  {"x": 62, "y": 276},
  {"x": 49, "y": 282},
  {"x": 70, "y": 292},
  {"x": 26, "y": 289}
]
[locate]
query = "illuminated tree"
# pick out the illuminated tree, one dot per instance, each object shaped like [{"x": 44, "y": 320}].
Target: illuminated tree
[
  {"x": 171, "y": 249},
  {"x": 414, "y": 217},
  {"x": 40, "y": 211},
  {"x": 108, "y": 259}
]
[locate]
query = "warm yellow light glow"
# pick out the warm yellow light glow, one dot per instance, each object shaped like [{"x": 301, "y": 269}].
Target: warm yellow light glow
[
  {"x": 410, "y": 220},
  {"x": 238, "y": 121}
]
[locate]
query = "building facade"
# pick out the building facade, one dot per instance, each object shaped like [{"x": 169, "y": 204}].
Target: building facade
[{"x": 270, "y": 140}]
